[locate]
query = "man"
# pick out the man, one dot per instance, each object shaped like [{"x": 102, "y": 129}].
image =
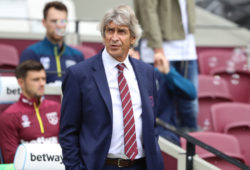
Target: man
[
  {"x": 52, "y": 52},
  {"x": 168, "y": 27},
  {"x": 32, "y": 119},
  {"x": 108, "y": 114},
  {"x": 171, "y": 85}
]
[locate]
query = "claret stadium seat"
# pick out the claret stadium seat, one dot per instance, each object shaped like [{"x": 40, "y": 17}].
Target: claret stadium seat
[
  {"x": 8, "y": 57},
  {"x": 225, "y": 143},
  {"x": 234, "y": 119},
  {"x": 212, "y": 59},
  {"x": 87, "y": 51},
  {"x": 212, "y": 89}
]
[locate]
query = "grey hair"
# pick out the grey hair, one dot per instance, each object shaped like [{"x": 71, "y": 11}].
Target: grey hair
[{"x": 122, "y": 15}]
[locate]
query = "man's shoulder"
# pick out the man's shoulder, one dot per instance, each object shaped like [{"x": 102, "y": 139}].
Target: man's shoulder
[
  {"x": 73, "y": 53},
  {"x": 72, "y": 50},
  {"x": 48, "y": 103},
  {"x": 10, "y": 112},
  {"x": 12, "y": 108},
  {"x": 142, "y": 64},
  {"x": 35, "y": 45},
  {"x": 86, "y": 64}
]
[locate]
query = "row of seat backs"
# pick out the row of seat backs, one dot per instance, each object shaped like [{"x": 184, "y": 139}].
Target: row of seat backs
[
  {"x": 238, "y": 85},
  {"x": 225, "y": 143},
  {"x": 231, "y": 66},
  {"x": 234, "y": 119},
  {"x": 212, "y": 90},
  {"x": 87, "y": 51},
  {"x": 9, "y": 58},
  {"x": 215, "y": 60},
  {"x": 215, "y": 89},
  {"x": 219, "y": 113}
]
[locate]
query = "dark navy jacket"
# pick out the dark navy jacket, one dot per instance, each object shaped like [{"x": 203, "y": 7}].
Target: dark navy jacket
[
  {"x": 44, "y": 51},
  {"x": 86, "y": 115},
  {"x": 170, "y": 86}
]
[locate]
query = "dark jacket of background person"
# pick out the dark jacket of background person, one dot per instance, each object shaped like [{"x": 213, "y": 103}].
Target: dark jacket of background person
[
  {"x": 170, "y": 86},
  {"x": 44, "y": 51}
]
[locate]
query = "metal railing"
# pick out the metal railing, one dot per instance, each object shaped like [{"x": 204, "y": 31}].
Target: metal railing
[{"x": 192, "y": 142}]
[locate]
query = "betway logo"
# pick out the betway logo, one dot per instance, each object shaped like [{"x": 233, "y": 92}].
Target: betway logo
[{"x": 46, "y": 158}]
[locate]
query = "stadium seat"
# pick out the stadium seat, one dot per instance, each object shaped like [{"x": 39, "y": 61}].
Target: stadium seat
[
  {"x": 233, "y": 118},
  {"x": 86, "y": 50},
  {"x": 212, "y": 89},
  {"x": 227, "y": 144},
  {"x": 214, "y": 58},
  {"x": 169, "y": 161},
  {"x": 8, "y": 57},
  {"x": 238, "y": 83}
]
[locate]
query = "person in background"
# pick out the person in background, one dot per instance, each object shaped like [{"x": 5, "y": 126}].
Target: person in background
[
  {"x": 32, "y": 119},
  {"x": 168, "y": 27},
  {"x": 108, "y": 108},
  {"x": 171, "y": 85},
  {"x": 52, "y": 51}
]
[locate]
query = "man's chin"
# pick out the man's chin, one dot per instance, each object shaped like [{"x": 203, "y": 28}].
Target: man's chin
[
  {"x": 39, "y": 95},
  {"x": 57, "y": 38},
  {"x": 114, "y": 51}
]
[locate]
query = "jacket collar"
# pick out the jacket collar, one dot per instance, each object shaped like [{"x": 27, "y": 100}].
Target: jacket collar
[
  {"x": 30, "y": 102},
  {"x": 48, "y": 42}
]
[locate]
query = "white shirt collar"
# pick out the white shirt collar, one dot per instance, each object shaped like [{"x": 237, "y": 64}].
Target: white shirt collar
[{"x": 111, "y": 63}]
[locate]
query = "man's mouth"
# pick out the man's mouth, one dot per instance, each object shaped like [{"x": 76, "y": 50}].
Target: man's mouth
[
  {"x": 61, "y": 32},
  {"x": 114, "y": 46}
]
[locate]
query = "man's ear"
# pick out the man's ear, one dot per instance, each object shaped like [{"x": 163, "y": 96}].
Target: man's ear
[
  {"x": 44, "y": 24},
  {"x": 133, "y": 41},
  {"x": 20, "y": 81}
]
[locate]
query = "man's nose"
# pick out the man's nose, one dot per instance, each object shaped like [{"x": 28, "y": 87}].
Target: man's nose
[
  {"x": 115, "y": 36},
  {"x": 42, "y": 82},
  {"x": 61, "y": 24}
]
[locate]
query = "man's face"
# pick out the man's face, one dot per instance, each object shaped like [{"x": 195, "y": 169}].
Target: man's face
[
  {"x": 118, "y": 40},
  {"x": 55, "y": 24},
  {"x": 34, "y": 83}
]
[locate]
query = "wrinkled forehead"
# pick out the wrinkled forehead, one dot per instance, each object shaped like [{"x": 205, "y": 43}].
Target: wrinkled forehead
[{"x": 112, "y": 24}]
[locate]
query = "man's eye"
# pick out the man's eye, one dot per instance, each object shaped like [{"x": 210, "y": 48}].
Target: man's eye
[
  {"x": 110, "y": 30},
  {"x": 122, "y": 31},
  {"x": 61, "y": 21},
  {"x": 54, "y": 21}
]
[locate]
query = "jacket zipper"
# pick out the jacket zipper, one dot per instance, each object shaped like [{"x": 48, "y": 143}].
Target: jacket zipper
[{"x": 39, "y": 118}]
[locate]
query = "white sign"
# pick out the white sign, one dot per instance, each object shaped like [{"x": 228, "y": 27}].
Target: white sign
[
  {"x": 9, "y": 89},
  {"x": 38, "y": 157}
]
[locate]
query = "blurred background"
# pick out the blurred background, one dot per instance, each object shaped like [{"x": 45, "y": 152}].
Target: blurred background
[{"x": 237, "y": 11}]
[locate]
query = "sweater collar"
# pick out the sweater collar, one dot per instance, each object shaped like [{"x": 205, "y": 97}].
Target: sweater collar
[
  {"x": 30, "y": 102},
  {"x": 47, "y": 41}
]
